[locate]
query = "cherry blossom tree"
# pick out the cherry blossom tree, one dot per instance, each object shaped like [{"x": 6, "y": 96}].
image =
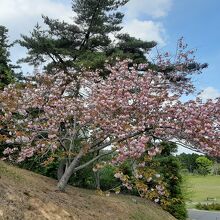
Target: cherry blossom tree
[{"x": 129, "y": 113}]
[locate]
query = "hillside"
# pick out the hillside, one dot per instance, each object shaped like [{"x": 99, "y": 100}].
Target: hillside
[{"x": 26, "y": 195}]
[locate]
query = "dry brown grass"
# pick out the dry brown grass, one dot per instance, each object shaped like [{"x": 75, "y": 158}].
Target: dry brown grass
[{"x": 28, "y": 196}]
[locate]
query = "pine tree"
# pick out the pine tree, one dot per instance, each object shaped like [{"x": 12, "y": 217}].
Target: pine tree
[
  {"x": 6, "y": 69},
  {"x": 86, "y": 42}
]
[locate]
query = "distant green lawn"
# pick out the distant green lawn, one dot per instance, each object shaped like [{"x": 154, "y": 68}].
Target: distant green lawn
[{"x": 201, "y": 187}]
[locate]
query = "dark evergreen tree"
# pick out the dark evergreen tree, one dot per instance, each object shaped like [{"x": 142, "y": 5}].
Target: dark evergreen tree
[
  {"x": 86, "y": 42},
  {"x": 7, "y": 76},
  {"x": 131, "y": 47},
  {"x": 6, "y": 71}
]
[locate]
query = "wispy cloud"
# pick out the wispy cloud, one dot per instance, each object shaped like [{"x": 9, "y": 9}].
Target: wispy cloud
[
  {"x": 21, "y": 15},
  {"x": 209, "y": 93},
  {"x": 155, "y": 8},
  {"x": 142, "y": 17},
  {"x": 146, "y": 30}
]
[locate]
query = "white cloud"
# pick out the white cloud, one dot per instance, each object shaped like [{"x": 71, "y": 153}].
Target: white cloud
[
  {"x": 140, "y": 19},
  {"x": 20, "y": 16},
  {"x": 209, "y": 93},
  {"x": 155, "y": 8},
  {"x": 146, "y": 30}
]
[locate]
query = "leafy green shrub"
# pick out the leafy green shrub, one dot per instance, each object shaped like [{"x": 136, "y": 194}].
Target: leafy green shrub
[
  {"x": 84, "y": 178},
  {"x": 208, "y": 206},
  {"x": 178, "y": 209},
  {"x": 204, "y": 165},
  {"x": 184, "y": 171},
  {"x": 170, "y": 169},
  {"x": 216, "y": 168},
  {"x": 36, "y": 164},
  {"x": 107, "y": 179}
]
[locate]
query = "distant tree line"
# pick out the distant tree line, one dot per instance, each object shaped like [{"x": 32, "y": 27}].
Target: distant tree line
[{"x": 199, "y": 164}]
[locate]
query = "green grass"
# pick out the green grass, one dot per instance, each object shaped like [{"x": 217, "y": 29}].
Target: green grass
[{"x": 202, "y": 187}]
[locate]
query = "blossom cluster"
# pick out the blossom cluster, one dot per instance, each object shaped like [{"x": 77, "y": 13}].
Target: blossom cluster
[{"x": 129, "y": 111}]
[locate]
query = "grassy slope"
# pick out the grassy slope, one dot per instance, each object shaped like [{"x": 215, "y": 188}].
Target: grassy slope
[
  {"x": 201, "y": 187},
  {"x": 26, "y": 195}
]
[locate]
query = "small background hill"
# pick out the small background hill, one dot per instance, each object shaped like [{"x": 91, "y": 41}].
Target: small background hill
[{"x": 28, "y": 196}]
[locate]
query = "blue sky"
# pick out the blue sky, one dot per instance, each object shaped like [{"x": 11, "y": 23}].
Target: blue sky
[
  {"x": 198, "y": 22},
  {"x": 162, "y": 20}
]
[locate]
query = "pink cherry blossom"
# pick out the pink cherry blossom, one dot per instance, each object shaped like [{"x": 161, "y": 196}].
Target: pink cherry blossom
[{"x": 129, "y": 112}]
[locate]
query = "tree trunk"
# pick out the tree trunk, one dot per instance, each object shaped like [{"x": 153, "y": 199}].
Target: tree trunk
[
  {"x": 69, "y": 171},
  {"x": 97, "y": 179},
  {"x": 61, "y": 168}
]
